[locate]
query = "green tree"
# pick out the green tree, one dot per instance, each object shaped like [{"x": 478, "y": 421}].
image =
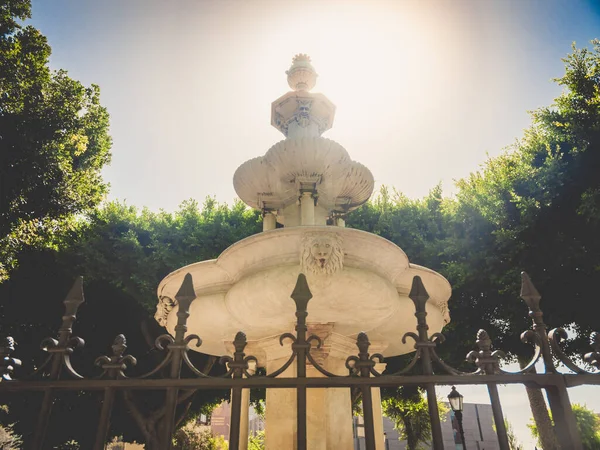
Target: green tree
[
  {"x": 195, "y": 437},
  {"x": 588, "y": 424},
  {"x": 123, "y": 253},
  {"x": 53, "y": 140},
  {"x": 534, "y": 208},
  {"x": 513, "y": 441},
  {"x": 256, "y": 441},
  {"x": 409, "y": 411},
  {"x": 9, "y": 440}
]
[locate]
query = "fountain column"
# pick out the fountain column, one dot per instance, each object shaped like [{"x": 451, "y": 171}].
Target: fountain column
[
  {"x": 307, "y": 208},
  {"x": 269, "y": 221},
  {"x": 328, "y": 411},
  {"x": 378, "y": 412}
]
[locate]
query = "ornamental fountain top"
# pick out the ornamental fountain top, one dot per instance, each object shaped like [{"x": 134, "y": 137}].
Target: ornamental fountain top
[{"x": 304, "y": 167}]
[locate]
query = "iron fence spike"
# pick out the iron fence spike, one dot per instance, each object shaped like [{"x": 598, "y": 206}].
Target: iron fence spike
[
  {"x": 418, "y": 293},
  {"x": 186, "y": 291},
  {"x": 528, "y": 292},
  {"x": 75, "y": 294},
  {"x": 301, "y": 293}
]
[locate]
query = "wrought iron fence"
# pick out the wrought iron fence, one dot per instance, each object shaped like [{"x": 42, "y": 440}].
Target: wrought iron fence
[{"x": 362, "y": 376}]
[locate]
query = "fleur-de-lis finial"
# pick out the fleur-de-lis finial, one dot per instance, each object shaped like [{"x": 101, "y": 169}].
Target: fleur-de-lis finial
[
  {"x": 486, "y": 360},
  {"x": 364, "y": 363},
  {"x": 238, "y": 365},
  {"x": 483, "y": 341},
  {"x": 118, "y": 361},
  {"x": 119, "y": 345},
  {"x": 66, "y": 343},
  {"x": 362, "y": 342},
  {"x": 239, "y": 343}
]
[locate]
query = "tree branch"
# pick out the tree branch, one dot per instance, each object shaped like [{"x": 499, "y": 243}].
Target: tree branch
[
  {"x": 183, "y": 413},
  {"x": 138, "y": 417},
  {"x": 183, "y": 396},
  {"x": 210, "y": 362}
]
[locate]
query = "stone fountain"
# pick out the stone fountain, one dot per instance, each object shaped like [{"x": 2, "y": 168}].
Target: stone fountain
[{"x": 305, "y": 185}]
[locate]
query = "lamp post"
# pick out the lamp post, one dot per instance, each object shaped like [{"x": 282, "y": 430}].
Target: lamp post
[{"x": 456, "y": 403}]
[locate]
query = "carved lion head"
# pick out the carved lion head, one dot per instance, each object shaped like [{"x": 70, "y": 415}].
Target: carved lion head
[
  {"x": 322, "y": 253},
  {"x": 163, "y": 308}
]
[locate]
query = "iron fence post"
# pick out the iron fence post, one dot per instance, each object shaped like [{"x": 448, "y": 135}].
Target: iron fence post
[
  {"x": 364, "y": 365},
  {"x": 418, "y": 294},
  {"x": 59, "y": 350},
  {"x": 239, "y": 365},
  {"x": 185, "y": 296},
  {"x": 498, "y": 416},
  {"x": 113, "y": 367},
  {"x": 558, "y": 397},
  {"x": 301, "y": 295},
  {"x": 489, "y": 364}
]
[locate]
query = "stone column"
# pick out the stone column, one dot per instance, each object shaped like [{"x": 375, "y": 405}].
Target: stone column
[
  {"x": 329, "y": 411},
  {"x": 280, "y": 408},
  {"x": 244, "y": 417},
  {"x": 339, "y": 221},
  {"x": 307, "y": 208},
  {"x": 377, "y": 412},
  {"x": 269, "y": 221}
]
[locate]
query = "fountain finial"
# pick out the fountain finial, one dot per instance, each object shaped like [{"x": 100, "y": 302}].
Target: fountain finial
[{"x": 301, "y": 75}]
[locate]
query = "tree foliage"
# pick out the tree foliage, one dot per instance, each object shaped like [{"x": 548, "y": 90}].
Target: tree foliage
[
  {"x": 123, "y": 253},
  {"x": 536, "y": 208},
  {"x": 196, "y": 437},
  {"x": 513, "y": 441},
  {"x": 256, "y": 441},
  {"x": 588, "y": 425},
  {"x": 9, "y": 440},
  {"x": 409, "y": 411},
  {"x": 53, "y": 140}
]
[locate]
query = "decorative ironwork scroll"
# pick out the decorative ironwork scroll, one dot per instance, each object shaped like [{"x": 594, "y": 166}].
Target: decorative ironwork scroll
[{"x": 57, "y": 372}]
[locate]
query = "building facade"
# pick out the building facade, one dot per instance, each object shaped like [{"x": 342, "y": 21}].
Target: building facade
[{"x": 478, "y": 426}]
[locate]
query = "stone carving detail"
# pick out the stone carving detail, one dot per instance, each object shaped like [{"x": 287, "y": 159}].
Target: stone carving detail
[
  {"x": 321, "y": 253},
  {"x": 303, "y": 114},
  {"x": 301, "y": 75},
  {"x": 443, "y": 305},
  {"x": 164, "y": 307}
]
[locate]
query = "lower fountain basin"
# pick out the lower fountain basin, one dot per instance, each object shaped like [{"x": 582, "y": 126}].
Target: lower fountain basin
[{"x": 359, "y": 281}]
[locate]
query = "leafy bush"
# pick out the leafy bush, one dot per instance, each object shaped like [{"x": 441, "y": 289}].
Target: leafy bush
[
  {"x": 256, "y": 441},
  {"x": 197, "y": 437}
]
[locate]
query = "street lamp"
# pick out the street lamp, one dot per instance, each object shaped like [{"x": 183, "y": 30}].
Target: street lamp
[{"x": 456, "y": 403}]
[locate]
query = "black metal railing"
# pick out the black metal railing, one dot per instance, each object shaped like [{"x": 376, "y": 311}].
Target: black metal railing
[{"x": 58, "y": 374}]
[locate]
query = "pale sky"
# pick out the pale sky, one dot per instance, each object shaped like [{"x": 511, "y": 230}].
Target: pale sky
[{"x": 424, "y": 89}]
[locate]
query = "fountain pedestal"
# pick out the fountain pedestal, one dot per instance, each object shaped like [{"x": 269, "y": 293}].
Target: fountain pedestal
[{"x": 329, "y": 411}]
